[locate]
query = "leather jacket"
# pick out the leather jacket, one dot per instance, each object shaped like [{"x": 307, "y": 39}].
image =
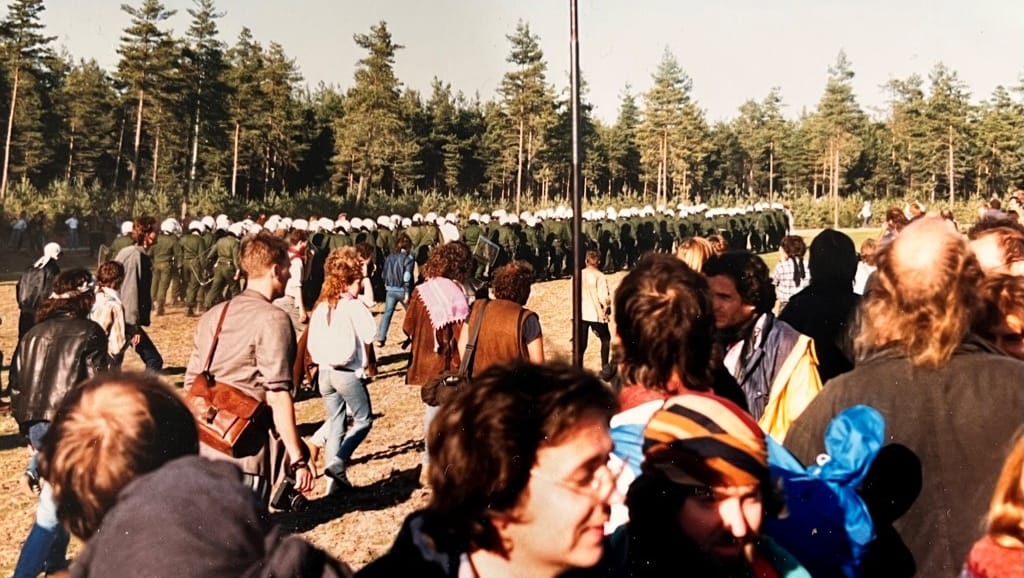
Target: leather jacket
[{"x": 52, "y": 358}]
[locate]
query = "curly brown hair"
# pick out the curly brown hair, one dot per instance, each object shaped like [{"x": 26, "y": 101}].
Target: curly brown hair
[
  {"x": 341, "y": 270},
  {"x": 513, "y": 281},
  {"x": 450, "y": 261}
]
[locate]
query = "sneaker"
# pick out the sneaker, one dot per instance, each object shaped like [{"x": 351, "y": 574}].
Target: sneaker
[{"x": 380, "y": 343}]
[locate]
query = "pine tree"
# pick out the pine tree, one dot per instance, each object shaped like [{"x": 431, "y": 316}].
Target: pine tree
[
  {"x": 147, "y": 54},
  {"x": 204, "y": 70},
  {"x": 377, "y": 145},
  {"x": 527, "y": 100},
  {"x": 947, "y": 119},
  {"x": 839, "y": 125},
  {"x": 90, "y": 107},
  {"x": 623, "y": 150},
  {"x": 24, "y": 48}
]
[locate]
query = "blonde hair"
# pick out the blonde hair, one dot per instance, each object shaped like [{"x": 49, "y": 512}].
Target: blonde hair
[
  {"x": 341, "y": 270},
  {"x": 694, "y": 252},
  {"x": 1006, "y": 511}
]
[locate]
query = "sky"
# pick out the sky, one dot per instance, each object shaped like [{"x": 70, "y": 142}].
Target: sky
[{"x": 733, "y": 50}]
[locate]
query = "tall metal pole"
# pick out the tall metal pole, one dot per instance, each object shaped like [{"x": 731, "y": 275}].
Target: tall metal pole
[{"x": 577, "y": 189}]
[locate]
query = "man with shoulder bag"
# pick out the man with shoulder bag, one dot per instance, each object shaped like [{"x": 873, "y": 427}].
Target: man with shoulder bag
[{"x": 250, "y": 347}]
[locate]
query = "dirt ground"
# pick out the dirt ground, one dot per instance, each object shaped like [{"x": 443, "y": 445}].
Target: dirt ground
[{"x": 361, "y": 525}]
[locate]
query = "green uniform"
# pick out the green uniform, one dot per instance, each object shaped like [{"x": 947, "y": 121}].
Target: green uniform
[
  {"x": 224, "y": 255},
  {"x": 193, "y": 258},
  {"x": 119, "y": 243},
  {"x": 166, "y": 255}
]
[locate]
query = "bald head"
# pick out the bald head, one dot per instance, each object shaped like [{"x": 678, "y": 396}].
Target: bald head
[
  {"x": 925, "y": 294},
  {"x": 927, "y": 257}
]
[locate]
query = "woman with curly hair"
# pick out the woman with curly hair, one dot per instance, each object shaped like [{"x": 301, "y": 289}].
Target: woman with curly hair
[
  {"x": 341, "y": 331},
  {"x": 508, "y": 330},
  {"x": 63, "y": 349},
  {"x": 437, "y": 309}
]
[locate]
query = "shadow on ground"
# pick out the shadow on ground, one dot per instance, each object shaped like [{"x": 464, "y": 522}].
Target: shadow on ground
[{"x": 391, "y": 491}]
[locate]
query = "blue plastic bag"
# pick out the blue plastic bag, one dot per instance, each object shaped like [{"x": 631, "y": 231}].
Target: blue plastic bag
[{"x": 825, "y": 524}]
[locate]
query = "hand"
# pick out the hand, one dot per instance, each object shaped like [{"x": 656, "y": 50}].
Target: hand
[
  {"x": 136, "y": 339},
  {"x": 304, "y": 479}
]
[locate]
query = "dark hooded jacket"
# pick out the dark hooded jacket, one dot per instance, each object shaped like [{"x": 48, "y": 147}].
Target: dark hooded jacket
[{"x": 194, "y": 517}]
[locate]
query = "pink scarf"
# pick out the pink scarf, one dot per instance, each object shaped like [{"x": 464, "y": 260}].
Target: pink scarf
[{"x": 445, "y": 301}]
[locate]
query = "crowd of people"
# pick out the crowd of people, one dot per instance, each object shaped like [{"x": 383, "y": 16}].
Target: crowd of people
[{"x": 721, "y": 382}]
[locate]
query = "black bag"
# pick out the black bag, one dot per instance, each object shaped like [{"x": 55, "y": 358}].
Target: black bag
[{"x": 440, "y": 389}]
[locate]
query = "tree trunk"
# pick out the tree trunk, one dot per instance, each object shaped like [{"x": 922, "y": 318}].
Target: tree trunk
[
  {"x": 519, "y": 165},
  {"x": 10, "y": 129},
  {"x": 835, "y": 184},
  {"x": 120, "y": 147},
  {"x": 156, "y": 158},
  {"x": 135, "y": 153},
  {"x": 771, "y": 173},
  {"x": 234, "y": 161},
  {"x": 71, "y": 151},
  {"x": 952, "y": 175},
  {"x": 195, "y": 158}
]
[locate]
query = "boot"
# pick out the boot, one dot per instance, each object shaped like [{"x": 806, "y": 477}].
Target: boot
[
  {"x": 160, "y": 310},
  {"x": 190, "y": 312}
]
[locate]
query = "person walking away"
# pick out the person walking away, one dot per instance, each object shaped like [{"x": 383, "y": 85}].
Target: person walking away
[
  {"x": 255, "y": 353},
  {"x": 341, "y": 332},
  {"x": 398, "y": 273},
  {"x": 597, "y": 308},
  {"x": 63, "y": 349},
  {"x": 108, "y": 312},
  {"x": 34, "y": 286},
  {"x": 136, "y": 291}
]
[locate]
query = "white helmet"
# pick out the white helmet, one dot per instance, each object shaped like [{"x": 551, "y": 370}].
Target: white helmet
[
  {"x": 357, "y": 223},
  {"x": 300, "y": 225},
  {"x": 208, "y": 222},
  {"x": 126, "y": 227},
  {"x": 195, "y": 225},
  {"x": 406, "y": 223},
  {"x": 170, "y": 226},
  {"x": 235, "y": 229},
  {"x": 325, "y": 224}
]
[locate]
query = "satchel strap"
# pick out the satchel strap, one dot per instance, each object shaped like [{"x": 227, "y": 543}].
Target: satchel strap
[
  {"x": 216, "y": 337},
  {"x": 474, "y": 334}
]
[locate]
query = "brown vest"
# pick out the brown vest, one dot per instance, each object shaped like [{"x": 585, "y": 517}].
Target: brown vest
[{"x": 501, "y": 334}]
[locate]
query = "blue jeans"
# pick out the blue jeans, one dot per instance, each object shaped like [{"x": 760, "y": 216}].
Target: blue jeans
[
  {"x": 46, "y": 547},
  {"x": 146, "y": 348},
  {"x": 341, "y": 389},
  {"x": 391, "y": 300}
]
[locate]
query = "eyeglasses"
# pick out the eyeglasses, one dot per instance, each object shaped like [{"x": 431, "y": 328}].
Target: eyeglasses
[{"x": 600, "y": 485}]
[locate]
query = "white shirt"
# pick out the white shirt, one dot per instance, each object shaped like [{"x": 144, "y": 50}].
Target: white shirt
[
  {"x": 72, "y": 223},
  {"x": 339, "y": 339}
]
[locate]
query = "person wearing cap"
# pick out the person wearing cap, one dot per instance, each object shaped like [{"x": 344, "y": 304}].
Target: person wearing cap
[
  {"x": 702, "y": 499},
  {"x": 166, "y": 255},
  {"x": 121, "y": 241},
  {"x": 136, "y": 290},
  {"x": 34, "y": 286}
]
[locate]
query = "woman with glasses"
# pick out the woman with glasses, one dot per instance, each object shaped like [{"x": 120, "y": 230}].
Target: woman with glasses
[
  {"x": 520, "y": 478},
  {"x": 341, "y": 331}
]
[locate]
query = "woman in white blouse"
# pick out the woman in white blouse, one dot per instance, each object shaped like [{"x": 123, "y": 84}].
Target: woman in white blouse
[{"x": 341, "y": 331}]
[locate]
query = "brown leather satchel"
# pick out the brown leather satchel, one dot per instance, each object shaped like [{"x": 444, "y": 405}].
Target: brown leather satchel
[{"x": 228, "y": 420}]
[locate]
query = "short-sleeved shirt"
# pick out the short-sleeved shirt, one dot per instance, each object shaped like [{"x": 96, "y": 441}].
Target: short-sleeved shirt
[{"x": 256, "y": 348}]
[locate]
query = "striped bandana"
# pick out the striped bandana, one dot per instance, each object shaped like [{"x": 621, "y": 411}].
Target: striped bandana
[{"x": 700, "y": 439}]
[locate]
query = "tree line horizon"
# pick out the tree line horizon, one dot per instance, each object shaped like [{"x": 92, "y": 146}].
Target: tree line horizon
[{"x": 189, "y": 113}]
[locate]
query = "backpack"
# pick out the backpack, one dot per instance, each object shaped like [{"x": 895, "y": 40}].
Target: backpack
[{"x": 826, "y": 525}]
